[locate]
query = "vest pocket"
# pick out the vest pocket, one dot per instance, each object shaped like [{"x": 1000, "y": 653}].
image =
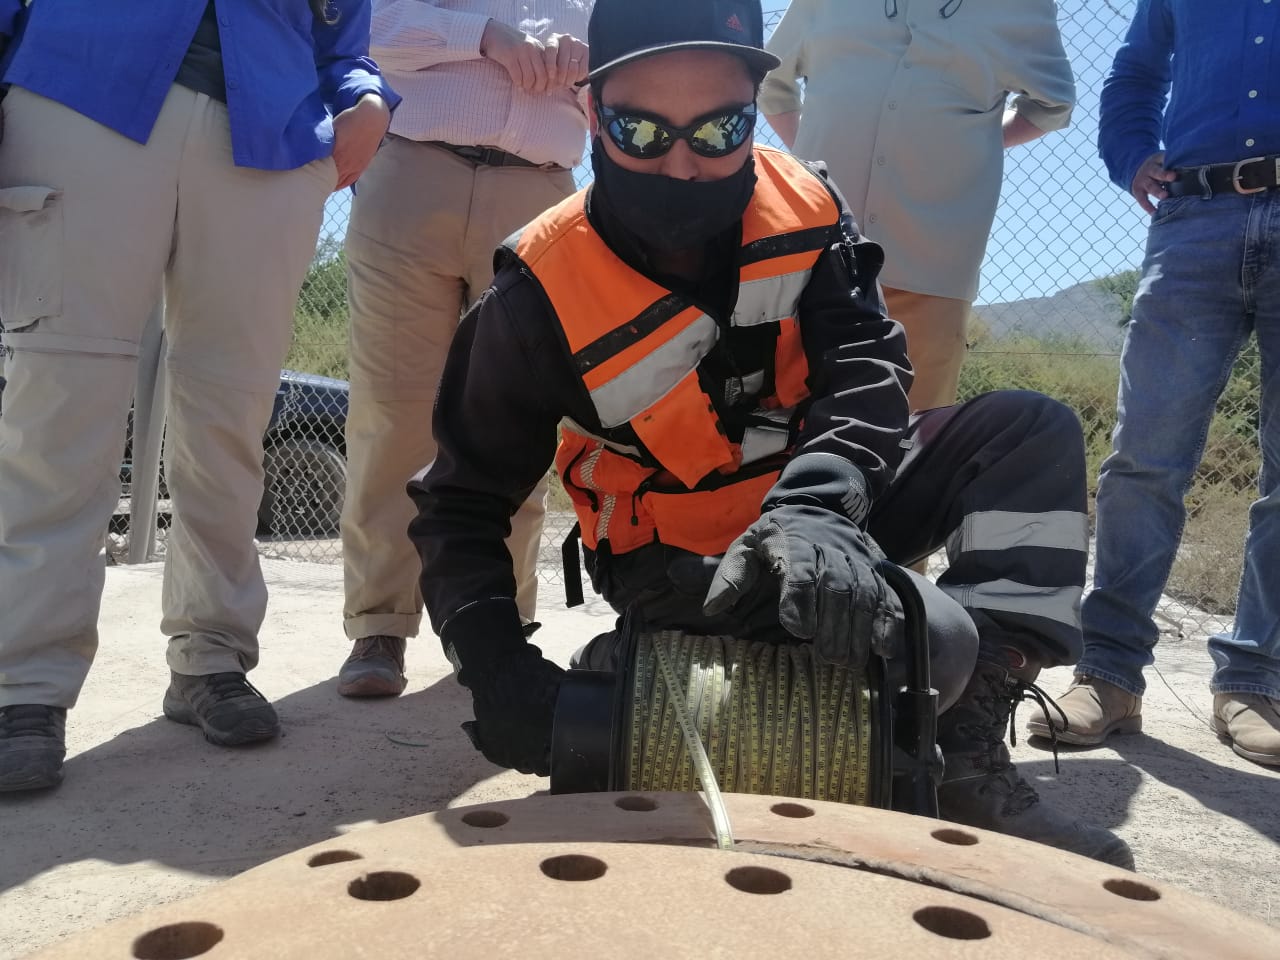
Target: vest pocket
[
  {"x": 707, "y": 521},
  {"x": 31, "y": 256}
]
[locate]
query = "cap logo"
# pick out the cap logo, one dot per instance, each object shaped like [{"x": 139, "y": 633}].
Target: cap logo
[{"x": 734, "y": 24}]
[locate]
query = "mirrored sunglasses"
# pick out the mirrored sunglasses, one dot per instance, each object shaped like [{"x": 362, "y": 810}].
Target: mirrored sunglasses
[{"x": 647, "y": 137}]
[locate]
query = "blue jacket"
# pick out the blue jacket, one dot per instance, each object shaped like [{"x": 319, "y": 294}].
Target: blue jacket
[
  {"x": 1222, "y": 59},
  {"x": 287, "y": 74}
]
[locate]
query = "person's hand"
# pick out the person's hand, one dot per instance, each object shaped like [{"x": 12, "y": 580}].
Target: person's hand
[
  {"x": 518, "y": 53},
  {"x": 1151, "y": 180},
  {"x": 515, "y": 705},
  {"x": 513, "y": 687},
  {"x": 830, "y": 589},
  {"x": 357, "y": 132},
  {"x": 566, "y": 60}
]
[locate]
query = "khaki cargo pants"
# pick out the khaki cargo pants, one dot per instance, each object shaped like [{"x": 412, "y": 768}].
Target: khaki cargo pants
[
  {"x": 424, "y": 227},
  {"x": 94, "y": 229}
]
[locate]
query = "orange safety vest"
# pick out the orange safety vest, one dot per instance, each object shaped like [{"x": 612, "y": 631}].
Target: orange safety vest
[{"x": 637, "y": 347}]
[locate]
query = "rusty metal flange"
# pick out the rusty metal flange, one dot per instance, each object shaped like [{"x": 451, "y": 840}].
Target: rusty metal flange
[{"x": 634, "y": 876}]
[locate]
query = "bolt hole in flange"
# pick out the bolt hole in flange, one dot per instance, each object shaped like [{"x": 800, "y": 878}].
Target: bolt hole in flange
[
  {"x": 573, "y": 867},
  {"x": 1131, "y": 890},
  {"x": 797, "y": 811},
  {"x": 952, "y": 923},
  {"x": 758, "y": 880},
  {"x": 177, "y": 941},
  {"x": 957, "y": 837},
  {"x": 637, "y": 804},
  {"x": 485, "y": 819},
  {"x": 326, "y": 857},
  {"x": 383, "y": 885}
]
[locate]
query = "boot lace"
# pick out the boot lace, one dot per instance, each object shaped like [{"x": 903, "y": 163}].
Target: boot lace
[
  {"x": 221, "y": 687},
  {"x": 1022, "y": 691},
  {"x": 29, "y": 720},
  {"x": 1001, "y": 705},
  {"x": 378, "y": 647}
]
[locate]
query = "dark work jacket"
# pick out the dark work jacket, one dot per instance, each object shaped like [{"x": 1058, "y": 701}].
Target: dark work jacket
[{"x": 509, "y": 380}]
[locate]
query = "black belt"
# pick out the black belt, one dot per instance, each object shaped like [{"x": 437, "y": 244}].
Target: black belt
[
  {"x": 1246, "y": 176},
  {"x": 491, "y": 157}
]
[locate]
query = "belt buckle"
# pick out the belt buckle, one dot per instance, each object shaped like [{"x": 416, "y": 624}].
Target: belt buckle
[{"x": 1235, "y": 176}]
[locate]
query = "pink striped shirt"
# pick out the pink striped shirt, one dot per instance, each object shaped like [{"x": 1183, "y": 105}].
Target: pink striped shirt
[{"x": 429, "y": 50}]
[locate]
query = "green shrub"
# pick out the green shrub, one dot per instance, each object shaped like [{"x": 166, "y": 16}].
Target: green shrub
[{"x": 320, "y": 317}]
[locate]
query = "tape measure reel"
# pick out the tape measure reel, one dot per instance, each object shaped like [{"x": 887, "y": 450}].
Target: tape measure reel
[{"x": 767, "y": 718}]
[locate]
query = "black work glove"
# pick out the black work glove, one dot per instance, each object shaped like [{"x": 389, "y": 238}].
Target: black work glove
[
  {"x": 830, "y": 590},
  {"x": 513, "y": 687}
]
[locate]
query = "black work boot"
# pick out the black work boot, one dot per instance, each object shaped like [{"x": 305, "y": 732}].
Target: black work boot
[
  {"x": 33, "y": 743},
  {"x": 225, "y": 706},
  {"x": 982, "y": 788}
]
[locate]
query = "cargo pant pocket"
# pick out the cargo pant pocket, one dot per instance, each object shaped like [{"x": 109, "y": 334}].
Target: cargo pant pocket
[{"x": 31, "y": 256}]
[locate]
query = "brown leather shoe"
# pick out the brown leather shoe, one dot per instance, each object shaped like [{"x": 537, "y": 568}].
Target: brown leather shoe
[
  {"x": 1251, "y": 722},
  {"x": 1093, "y": 710},
  {"x": 374, "y": 669}
]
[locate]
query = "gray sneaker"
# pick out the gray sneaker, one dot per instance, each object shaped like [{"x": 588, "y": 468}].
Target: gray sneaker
[
  {"x": 374, "y": 669},
  {"x": 33, "y": 743},
  {"x": 225, "y": 706}
]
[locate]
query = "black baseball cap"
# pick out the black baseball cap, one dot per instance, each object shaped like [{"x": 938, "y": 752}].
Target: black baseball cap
[{"x": 622, "y": 31}]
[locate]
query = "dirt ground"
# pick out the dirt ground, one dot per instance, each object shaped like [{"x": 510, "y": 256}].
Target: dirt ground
[{"x": 151, "y": 813}]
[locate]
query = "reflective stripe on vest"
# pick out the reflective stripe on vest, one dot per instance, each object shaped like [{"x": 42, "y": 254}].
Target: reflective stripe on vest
[{"x": 637, "y": 347}]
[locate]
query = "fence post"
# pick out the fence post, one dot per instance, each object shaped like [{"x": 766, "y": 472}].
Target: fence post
[{"x": 148, "y": 436}]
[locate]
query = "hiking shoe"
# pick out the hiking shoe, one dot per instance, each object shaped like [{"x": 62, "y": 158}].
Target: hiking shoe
[
  {"x": 1089, "y": 712},
  {"x": 981, "y": 787},
  {"x": 1251, "y": 722},
  {"x": 374, "y": 669},
  {"x": 224, "y": 705},
  {"x": 33, "y": 743}
]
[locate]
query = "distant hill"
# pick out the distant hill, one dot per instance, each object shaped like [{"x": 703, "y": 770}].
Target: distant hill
[{"x": 1086, "y": 313}]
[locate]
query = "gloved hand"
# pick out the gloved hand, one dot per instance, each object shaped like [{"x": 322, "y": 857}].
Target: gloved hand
[
  {"x": 513, "y": 687},
  {"x": 830, "y": 590},
  {"x": 515, "y": 706}
]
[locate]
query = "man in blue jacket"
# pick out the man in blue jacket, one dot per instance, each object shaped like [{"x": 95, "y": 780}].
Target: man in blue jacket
[
  {"x": 1208, "y": 281},
  {"x": 172, "y": 149}
]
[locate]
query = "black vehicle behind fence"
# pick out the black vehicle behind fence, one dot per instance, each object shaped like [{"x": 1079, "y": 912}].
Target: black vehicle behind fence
[{"x": 304, "y": 456}]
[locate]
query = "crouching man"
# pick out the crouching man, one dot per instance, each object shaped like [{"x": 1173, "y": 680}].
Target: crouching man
[{"x": 703, "y": 324}]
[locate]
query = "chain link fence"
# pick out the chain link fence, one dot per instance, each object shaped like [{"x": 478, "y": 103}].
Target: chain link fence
[{"x": 1057, "y": 284}]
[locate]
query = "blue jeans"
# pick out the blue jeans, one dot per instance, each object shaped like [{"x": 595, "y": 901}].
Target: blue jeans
[{"x": 1211, "y": 275}]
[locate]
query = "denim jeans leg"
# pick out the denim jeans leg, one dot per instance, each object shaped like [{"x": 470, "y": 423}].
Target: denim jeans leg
[
  {"x": 1189, "y": 321},
  {"x": 1247, "y": 660}
]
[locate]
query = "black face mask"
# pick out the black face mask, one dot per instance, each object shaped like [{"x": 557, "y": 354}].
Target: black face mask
[{"x": 668, "y": 215}]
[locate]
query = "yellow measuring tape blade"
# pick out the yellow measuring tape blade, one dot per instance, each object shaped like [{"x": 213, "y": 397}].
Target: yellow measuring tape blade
[{"x": 707, "y": 776}]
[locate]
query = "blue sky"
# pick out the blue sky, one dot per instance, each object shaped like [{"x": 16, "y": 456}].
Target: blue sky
[{"x": 1060, "y": 220}]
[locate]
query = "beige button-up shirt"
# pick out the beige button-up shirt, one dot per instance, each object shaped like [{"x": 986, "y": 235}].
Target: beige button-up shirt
[
  {"x": 430, "y": 52},
  {"x": 903, "y": 100}
]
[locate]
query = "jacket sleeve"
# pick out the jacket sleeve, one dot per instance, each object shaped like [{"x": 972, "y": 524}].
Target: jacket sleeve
[
  {"x": 495, "y": 427},
  {"x": 9, "y": 10},
  {"x": 1131, "y": 107},
  {"x": 1036, "y": 69},
  {"x": 859, "y": 376},
  {"x": 412, "y": 35},
  {"x": 342, "y": 58},
  {"x": 780, "y": 91}
]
